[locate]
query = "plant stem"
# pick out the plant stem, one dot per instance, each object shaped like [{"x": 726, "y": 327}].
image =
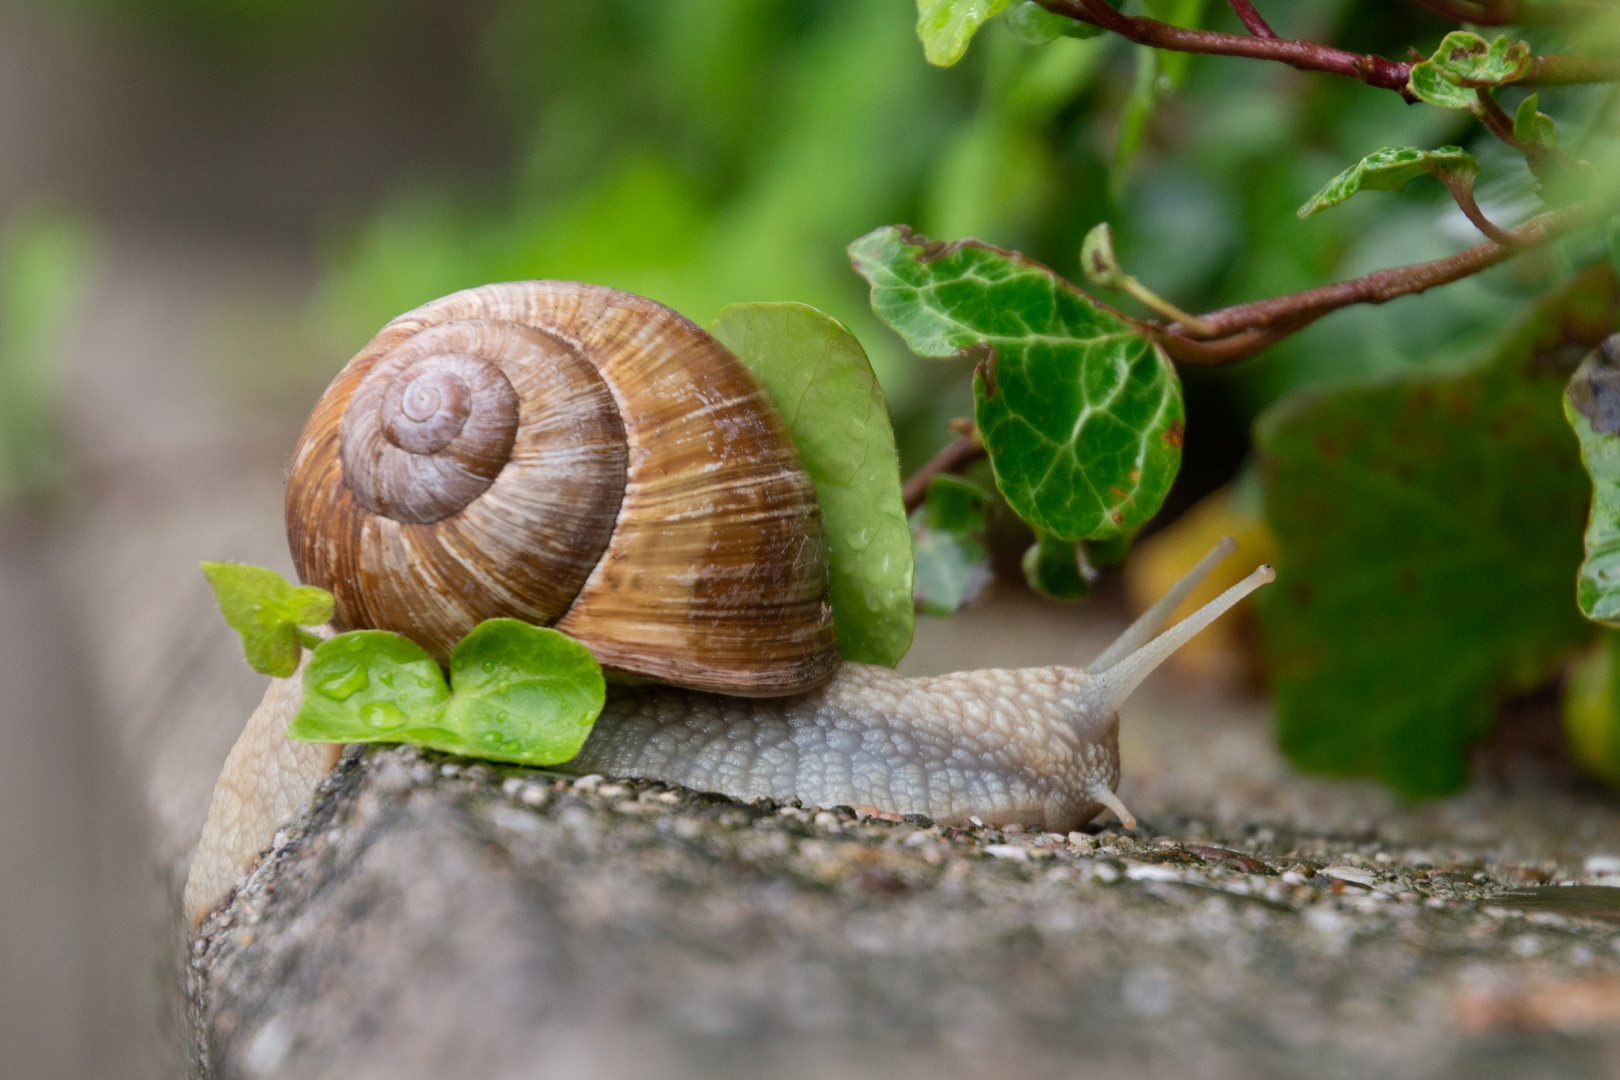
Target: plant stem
[
  {"x": 1376, "y": 71},
  {"x": 955, "y": 457},
  {"x": 1198, "y": 327},
  {"x": 1461, "y": 187},
  {"x": 1252, "y": 22},
  {"x": 1245, "y": 329}
]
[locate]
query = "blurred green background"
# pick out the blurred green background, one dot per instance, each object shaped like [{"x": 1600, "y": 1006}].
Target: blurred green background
[{"x": 706, "y": 152}]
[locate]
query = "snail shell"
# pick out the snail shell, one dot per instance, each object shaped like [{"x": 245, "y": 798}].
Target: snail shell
[{"x": 575, "y": 456}]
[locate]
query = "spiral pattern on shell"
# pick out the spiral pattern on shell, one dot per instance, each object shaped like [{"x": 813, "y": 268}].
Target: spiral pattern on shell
[{"x": 572, "y": 456}]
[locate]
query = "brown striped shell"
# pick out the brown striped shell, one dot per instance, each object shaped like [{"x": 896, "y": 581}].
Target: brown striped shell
[{"x": 572, "y": 456}]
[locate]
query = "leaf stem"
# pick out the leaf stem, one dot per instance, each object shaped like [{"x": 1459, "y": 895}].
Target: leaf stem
[
  {"x": 1252, "y": 22},
  {"x": 1461, "y": 186},
  {"x": 955, "y": 457}
]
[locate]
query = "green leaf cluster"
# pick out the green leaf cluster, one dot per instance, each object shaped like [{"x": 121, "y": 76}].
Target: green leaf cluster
[
  {"x": 519, "y": 693},
  {"x": 1465, "y": 62},
  {"x": 1389, "y": 169},
  {"x": 1081, "y": 415},
  {"x": 823, "y": 385},
  {"x": 1429, "y": 527},
  {"x": 947, "y": 532}
]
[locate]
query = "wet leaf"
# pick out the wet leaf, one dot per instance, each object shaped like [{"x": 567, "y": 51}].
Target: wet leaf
[
  {"x": 823, "y": 385},
  {"x": 517, "y": 693},
  {"x": 947, "y": 26},
  {"x": 1388, "y": 170},
  {"x": 953, "y": 566},
  {"x": 1081, "y": 415},
  {"x": 267, "y": 610},
  {"x": 1428, "y": 529}
]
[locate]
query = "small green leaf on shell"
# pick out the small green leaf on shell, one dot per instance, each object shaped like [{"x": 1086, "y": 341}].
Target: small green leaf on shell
[
  {"x": 267, "y": 610},
  {"x": 823, "y": 385},
  {"x": 1389, "y": 169},
  {"x": 521, "y": 693}
]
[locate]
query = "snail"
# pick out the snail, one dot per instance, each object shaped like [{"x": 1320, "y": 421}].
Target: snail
[{"x": 580, "y": 457}]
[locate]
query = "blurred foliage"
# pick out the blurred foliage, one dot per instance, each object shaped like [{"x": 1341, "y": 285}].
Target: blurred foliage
[{"x": 45, "y": 256}]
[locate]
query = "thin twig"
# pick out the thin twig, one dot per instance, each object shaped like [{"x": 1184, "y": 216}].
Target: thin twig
[
  {"x": 1252, "y": 22},
  {"x": 1248, "y": 328},
  {"x": 1376, "y": 71},
  {"x": 957, "y": 456}
]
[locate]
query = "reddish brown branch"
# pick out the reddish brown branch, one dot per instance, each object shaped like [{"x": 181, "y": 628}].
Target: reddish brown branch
[
  {"x": 1252, "y": 22},
  {"x": 954, "y": 458},
  {"x": 1308, "y": 55},
  {"x": 1245, "y": 329}
]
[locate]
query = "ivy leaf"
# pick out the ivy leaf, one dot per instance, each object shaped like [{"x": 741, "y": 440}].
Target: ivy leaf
[
  {"x": 1428, "y": 83},
  {"x": 267, "y": 610},
  {"x": 1463, "y": 62},
  {"x": 1033, "y": 24},
  {"x": 1057, "y": 569},
  {"x": 1468, "y": 60},
  {"x": 953, "y": 566},
  {"x": 822, "y": 383},
  {"x": 1081, "y": 415},
  {"x": 946, "y": 26},
  {"x": 1592, "y": 407},
  {"x": 1388, "y": 170},
  {"x": 517, "y": 693},
  {"x": 1534, "y": 128},
  {"x": 1428, "y": 528}
]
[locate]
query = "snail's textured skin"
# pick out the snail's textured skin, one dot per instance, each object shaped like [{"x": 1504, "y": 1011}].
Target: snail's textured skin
[{"x": 1024, "y": 746}]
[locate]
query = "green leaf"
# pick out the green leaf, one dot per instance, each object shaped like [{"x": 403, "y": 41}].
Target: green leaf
[
  {"x": 369, "y": 686},
  {"x": 818, "y": 376},
  {"x": 1468, "y": 60},
  {"x": 1428, "y": 83},
  {"x": 953, "y": 566},
  {"x": 1534, "y": 128},
  {"x": 957, "y": 504},
  {"x": 521, "y": 693},
  {"x": 1388, "y": 170},
  {"x": 1057, "y": 568},
  {"x": 1428, "y": 528},
  {"x": 267, "y": 611},
  {"x": 946, "y": 26},
  {"x": 1034, "y": 25},
  {"x": 1081, "y": 415},
  {"x": 1592, "y": 407}
]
